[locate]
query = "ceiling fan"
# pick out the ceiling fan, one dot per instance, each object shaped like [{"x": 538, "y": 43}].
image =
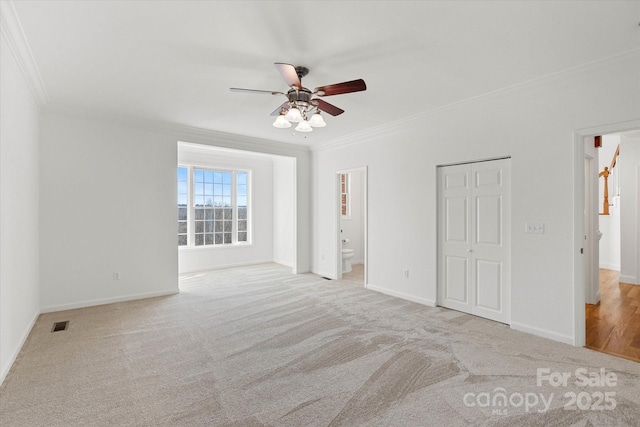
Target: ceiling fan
[{"x": 302, "y": 106}]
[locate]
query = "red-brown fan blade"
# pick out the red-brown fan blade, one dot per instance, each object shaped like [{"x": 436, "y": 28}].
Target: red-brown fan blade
[
  {"x": 326, "y": 107},
  {"x": 284, "y": 105},
  {"x": 340, "y": 88},
  {"x": 289, "y": 74},
  {"x": 266, "y": 92}
]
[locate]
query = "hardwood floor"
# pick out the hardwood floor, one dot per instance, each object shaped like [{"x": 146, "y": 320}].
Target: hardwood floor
[
  {"x": 356, "y": 274},
  {"x": 613, "y": 325}
]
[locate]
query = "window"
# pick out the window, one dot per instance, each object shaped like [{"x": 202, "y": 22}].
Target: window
[
  {"x": 215, "y": 209},
  {"x": 182, "y": 206},
  {"x": 345, "y": 200}
]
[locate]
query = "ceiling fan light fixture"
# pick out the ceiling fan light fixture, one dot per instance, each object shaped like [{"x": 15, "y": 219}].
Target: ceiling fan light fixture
[
  {"x": 317, "y": 121},
  {"x": 281, "y": 123},
  {"x": 293, "y": 115},
  {"x": 304, "y": 126}
]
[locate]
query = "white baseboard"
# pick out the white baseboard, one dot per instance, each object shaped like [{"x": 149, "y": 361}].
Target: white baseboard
[
  {"x": 629, "y": 279},
  {"x": 285, "y": 263},
  {"x": 231, "y": 265},
  {"x": 91, "y": 303},
  {"x": 23, "y": 339},
  {"x": 542, "y": 333},
  {"x": 606, "y": 265},
  {"x": 412, "y": 298}
]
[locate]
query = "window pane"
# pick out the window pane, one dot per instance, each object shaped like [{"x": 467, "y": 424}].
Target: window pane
[
  {"x": 182, "y": 174},
  {"x": 226, "y": 177},
  {"x": 242, "y": 237},
  {"x": 182, "y": 227},
  {"x": 208, "y": 201},
  {"x": 208, "y": 176},
  {"x": 218, "y": 238},
  {"x": 227, "y": 238},
  {"x": 182, "y": 199},
  {"x": 242, "y": 201},
  {"x": 209, "y": 214},
  {"x": 228, "y": 213},
  {"x": 199, "y": 200},
  {"x": 227, "y": 226},
  {"x": 208, "y": 239},
  {"x": 199, "y": 226},
  {"x": 219, "y": 213},
  {"x": 198, "y": 175},
  {"x": 217, "y": 177},
  {"x": 182, "y": 240},
  {"x": 182, "y": 187},
  {"x": 199, "y": 239},
  {"x": 217, "y": 189},
  {"x": 242, "y": 225},
  {"x": 242, "y": 177},
  {"x": 226, "y": 201},
  {"x": 217, "y": 201},
  {"x": 182, "y": 214},
  {"x": 242, "y": 190},
  {"x": 199, "y": 214},
  {"x": 226, "y": 190},
  {"x": 209, "y": 227},
  {"x": 219, "y": 226},
  {"x": 242, "y": 213},
  {"x": 199, "y": 189}
]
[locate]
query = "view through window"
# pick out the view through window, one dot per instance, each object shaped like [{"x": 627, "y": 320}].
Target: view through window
[{"x": 212, "y": 206}]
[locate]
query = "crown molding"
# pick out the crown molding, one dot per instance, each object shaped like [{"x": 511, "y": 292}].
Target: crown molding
[
  {"x": 13, "y": 34},
  {"x": 617, "y": 65},
  {"x": 183, "y": 133}
]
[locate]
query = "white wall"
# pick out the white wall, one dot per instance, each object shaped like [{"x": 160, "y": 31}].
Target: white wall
[
  {"x": 609, "y": 224},
  {"x": 353, "y": 226},
  {"x": 284, "y": 210},
  {"x": 108, "y": 204},
  {"x": 261, "y": 209},
  {"x": 19, "y": 195},
  {"x": 629, "y": 162},
  {"x": 108, "y": 186},
  {"x": 535, "y": 124}
]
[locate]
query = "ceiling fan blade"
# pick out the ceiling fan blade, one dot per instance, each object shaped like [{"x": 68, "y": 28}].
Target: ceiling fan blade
[
  {"x": 284, "y": 105},
  {"x": 326, "y": 107},
  {"x": 266, "y": 92},
  {"x": 340, "y": 88},
  {"x": 289, "y": 74}
]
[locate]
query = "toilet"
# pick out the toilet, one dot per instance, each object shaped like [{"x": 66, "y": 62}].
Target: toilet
[{"x": 347, "y": 254}]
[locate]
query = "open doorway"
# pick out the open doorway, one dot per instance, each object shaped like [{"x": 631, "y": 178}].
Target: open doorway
[
  {"x": 351, "y": 220},
  {"x": 611, "y": 255}
]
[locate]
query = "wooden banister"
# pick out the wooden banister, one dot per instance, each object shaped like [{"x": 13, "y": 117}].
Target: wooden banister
[{"x": 605, "y": 173}]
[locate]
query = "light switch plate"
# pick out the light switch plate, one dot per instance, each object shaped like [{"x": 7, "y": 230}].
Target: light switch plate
[{"x": 534, "y": 228}]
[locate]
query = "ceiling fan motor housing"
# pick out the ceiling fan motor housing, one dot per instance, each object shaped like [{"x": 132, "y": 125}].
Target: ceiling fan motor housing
[{"x": 301, "y": 97}]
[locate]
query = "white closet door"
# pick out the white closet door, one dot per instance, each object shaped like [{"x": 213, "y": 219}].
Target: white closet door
[
  {"x": 473, "y": 239},
  {"x": 455, "y": 237}
]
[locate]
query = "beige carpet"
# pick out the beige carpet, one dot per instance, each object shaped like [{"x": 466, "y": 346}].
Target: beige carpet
[{"x": 258, "y": 346}]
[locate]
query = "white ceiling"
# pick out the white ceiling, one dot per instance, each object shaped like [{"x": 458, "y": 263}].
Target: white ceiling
[{"x": 176, "y": 60}]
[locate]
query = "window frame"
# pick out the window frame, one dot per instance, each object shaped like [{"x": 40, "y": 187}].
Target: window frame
[
  {"x": 346, "y": 194},
  {"x": 191, "y": 208}
]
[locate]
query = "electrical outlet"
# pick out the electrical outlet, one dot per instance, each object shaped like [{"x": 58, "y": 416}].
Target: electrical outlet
[
  {"x": 116, "y": 276},
  {"x": 406, "y": 274},
  {"x": 534, "y": 228}
]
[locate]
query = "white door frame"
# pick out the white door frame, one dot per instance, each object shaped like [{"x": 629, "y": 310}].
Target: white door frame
[
  {"x": 579, "y": 291},
  {"x": 365, "y": 216}
]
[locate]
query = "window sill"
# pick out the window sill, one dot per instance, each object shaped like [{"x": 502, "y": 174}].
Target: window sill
[{"x": 214, "y": 247}]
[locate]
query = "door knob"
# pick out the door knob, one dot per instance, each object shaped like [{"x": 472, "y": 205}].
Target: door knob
[{"x": 469, "y": 250}]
